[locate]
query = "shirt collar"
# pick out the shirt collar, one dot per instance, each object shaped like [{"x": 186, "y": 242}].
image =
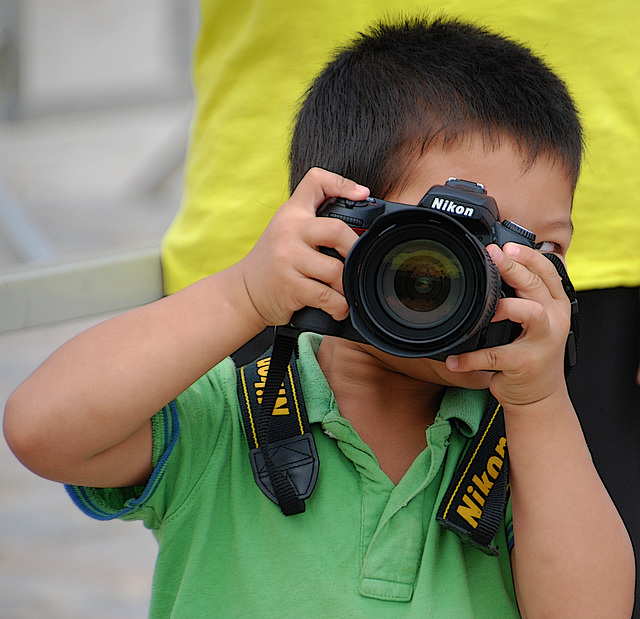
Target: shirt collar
[{"x": 463, "y": 408}]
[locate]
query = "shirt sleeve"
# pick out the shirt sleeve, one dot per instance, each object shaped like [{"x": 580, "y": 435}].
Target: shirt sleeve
[
  {"x": 185, "y": 434},
  {"x": 112, "y": 503}
]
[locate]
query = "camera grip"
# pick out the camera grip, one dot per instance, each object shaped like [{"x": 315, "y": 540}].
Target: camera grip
[{"x": 317, "y": 321}]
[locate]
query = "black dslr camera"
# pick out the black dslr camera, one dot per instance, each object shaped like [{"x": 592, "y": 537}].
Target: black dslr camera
[{"x": 419, "y": 281}]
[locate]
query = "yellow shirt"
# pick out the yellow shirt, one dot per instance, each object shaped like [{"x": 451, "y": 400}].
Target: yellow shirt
[{"x": 254, "y": 59}]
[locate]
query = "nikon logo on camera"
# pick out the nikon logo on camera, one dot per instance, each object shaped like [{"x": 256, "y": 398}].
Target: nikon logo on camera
[
  {"x": 448, "y": 206},
  {"x": 282, "y": 406},
  {"x": 478, "y": 490}
]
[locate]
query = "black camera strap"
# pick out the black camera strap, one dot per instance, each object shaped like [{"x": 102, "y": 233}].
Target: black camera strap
[
  {"x": 475, "y": 502},
  {"x": 282, "y": 450},
  {"x": 571, "y": 348}
]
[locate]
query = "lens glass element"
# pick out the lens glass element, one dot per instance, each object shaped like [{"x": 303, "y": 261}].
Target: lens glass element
[{"x": 420, "y": 283}]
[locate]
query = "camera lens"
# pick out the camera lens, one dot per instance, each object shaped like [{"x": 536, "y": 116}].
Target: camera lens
[{"x": 420, "y": 283}]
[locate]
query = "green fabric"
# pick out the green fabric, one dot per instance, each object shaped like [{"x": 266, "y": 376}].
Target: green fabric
[{"x": 363, "y": 548}]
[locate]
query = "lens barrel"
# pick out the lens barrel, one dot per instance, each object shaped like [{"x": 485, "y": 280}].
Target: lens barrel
[{"x": 419, "y": 284}]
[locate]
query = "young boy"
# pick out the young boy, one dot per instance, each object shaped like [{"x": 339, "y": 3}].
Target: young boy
[{"x": 403, "y": 108}]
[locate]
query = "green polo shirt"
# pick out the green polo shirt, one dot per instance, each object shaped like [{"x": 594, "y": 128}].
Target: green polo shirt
[{"x": 363, "y": 548}]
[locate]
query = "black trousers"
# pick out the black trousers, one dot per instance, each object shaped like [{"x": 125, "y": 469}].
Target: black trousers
[{"x": 607, "y": 398}]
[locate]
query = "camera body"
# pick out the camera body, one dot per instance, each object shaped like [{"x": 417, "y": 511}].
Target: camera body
[{"x": 419, "y": 281}]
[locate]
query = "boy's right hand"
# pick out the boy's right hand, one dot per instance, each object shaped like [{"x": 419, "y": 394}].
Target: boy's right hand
[
  {"x": 97, "y": 393},
  {"x": 284, "y": 271}
]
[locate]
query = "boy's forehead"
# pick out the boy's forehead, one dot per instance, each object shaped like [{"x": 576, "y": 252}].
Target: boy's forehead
[{"x": 525, "y": 192}]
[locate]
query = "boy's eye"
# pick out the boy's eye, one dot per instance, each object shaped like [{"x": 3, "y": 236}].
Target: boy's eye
[{"x": 548, "y": 247}]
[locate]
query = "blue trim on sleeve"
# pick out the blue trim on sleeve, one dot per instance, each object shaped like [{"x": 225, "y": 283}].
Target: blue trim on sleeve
[
  {"x": 510, "y": 536},
  {"x": 93, "y": 501}
]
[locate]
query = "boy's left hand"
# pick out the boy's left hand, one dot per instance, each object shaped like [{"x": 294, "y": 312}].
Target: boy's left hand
[{"x": 531, "y": 368}]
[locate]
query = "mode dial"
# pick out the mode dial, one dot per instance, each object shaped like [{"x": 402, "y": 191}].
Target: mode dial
[{"x": 514, "y": 227}]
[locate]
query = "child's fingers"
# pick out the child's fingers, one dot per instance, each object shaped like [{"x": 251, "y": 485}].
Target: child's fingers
[
  {"x": 527, "y": 271},
  {"x": 534, "y": 320},
  {"x": 322, "y": 268},
  {"x": 315, "y": 294},
  {"x": 488, "y": 359},
  {"x": 285, "y": 271},
  {"x": 531, "y": 315},
  {"x": 530, "y": 368},
  {"x": 318, "y": 184},
  {"x": 327, "y": 232}
]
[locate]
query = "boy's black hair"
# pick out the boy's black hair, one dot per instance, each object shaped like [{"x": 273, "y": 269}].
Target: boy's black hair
[{"x": 404, "y": 87}]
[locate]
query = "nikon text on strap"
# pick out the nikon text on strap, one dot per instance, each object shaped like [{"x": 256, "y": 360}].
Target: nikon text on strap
[
  {"x": 475, "y": 502},
  {"x": 282, "y": 449}
]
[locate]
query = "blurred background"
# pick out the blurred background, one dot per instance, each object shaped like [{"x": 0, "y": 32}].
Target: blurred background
[{"x": 95, "y": 104}]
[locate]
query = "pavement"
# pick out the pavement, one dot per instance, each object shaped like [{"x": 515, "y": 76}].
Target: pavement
[{"x": 92, "y": 164}]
